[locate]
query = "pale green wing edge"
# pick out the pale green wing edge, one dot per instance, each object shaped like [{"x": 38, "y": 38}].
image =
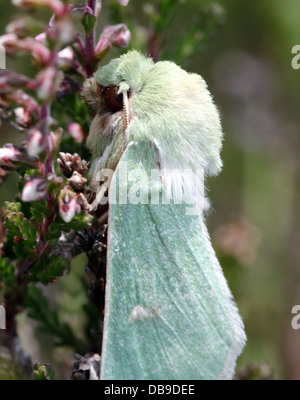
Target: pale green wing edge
[{"x": 169, "y": 313}]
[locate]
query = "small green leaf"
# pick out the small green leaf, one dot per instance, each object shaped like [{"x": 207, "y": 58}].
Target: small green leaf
[
  {"x": 48, "y": 268},
  {"x": 7, "y": 272},
  {"x": 88, "y": 21}
]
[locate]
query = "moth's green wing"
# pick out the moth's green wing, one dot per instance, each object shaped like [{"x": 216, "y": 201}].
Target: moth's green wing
[{"x": 169, "y": 312}]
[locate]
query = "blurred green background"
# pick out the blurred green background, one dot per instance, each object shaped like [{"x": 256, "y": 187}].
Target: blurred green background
[{"x": 255, "y": 218}]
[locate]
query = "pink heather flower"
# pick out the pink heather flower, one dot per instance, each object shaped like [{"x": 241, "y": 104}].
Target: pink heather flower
[
  {"x": 117, "y": 35},
  {"x": 8, "y": 38},
  {"x": 122, "y": 36},
  {"x": 36, "y": 142},
  {"x": 54, "y": 139},
  {"x": 5, "y": 87},
  {"x": 23, "y": 99},
  {"x": 18, "y": 26},
  {"x": 65, "y": 30},
  {"x": 35, "y": 189},
  {"x": 76, "y": 132},
  {"x": 22, "y": 117},
  {"x": 66, "y": 57},
  {"x": 67, "y": 204},
  {"x": 67, "y": 53},
  {"x": 39, "y": 52},
  {"x": 61, "y": 31},
  {"x": 48, "y": 80},
  {"x": 56, "y": 5},
  {"x": 103, "y": 46},
  {"x": 9, "y": 80},
  {"x": 52, "y": 21},
  {"x": 10, "y": 155},
  {"x": 98, "y": 8},
  {"x": 41, "y": 37}
]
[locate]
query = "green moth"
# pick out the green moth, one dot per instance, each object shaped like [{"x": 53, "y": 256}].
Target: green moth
[{"x": 168, "y": 311}]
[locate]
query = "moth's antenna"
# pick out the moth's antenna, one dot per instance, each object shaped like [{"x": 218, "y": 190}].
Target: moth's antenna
[{"x": 125, "y": 116}]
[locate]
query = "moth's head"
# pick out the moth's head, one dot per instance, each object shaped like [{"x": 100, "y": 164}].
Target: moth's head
[
  {"x": 111, "y": 89},
  {"x": 126, "y": 74},
  {"x": 164, "y": 103}
]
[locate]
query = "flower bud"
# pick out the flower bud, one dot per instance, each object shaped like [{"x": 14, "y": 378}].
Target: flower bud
[
  {"x": 42, "y": 38},
  {"x": 19, "y": 26},
  {"x": 48, "y": 80},
  {"x": 39, "y": 52},
  {"x": 65, "y": 29},
  {"x": 76, "y": 132},
  {"x": 69, "y": 163},
  {"x": 35, "y": 189},
  {"x": 9, "y": 81},
  {"x": 10, "y": 155},
  {"x": 66, "y": 58},
  {"x": 55, "y": 138},
  {"x": 77, "y": 181},
  {"x": 8, "y": 38},
  {"x": 36, "y": 142},
  {"x": 119, "y": 35},
  {"x": 23, "y": 99},
  {"x": 116, "y": 35},
  {"x": 102, "y": 47},
  {"x": 22, "y": 117},
  {"x": 67, "y": 204},
  {"x": 56, "y": 5}
]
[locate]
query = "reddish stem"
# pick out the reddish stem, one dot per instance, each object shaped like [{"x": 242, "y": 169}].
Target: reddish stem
[
  {"x": 90, "y": 42},
  {"x": 48, "y": 169},
  {"x": 154, "y": 45}
]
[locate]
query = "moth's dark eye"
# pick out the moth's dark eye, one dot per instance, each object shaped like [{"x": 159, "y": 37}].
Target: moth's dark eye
[{"x": 112, "y": 100}]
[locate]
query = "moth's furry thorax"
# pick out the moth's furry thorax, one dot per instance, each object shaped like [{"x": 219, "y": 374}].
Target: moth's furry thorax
[{"x": 167, "y": 106}]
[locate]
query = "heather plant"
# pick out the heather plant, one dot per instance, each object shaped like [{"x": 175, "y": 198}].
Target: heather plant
[{"x": 51, "y": 221}]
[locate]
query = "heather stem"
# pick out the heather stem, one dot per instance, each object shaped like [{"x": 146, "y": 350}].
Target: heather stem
[
  {"x": 48, "y": 169},
  {"x": 45, "y": 111},
  {"x": 90, "y": 42},
  {"x": 49, "y": 163}
]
